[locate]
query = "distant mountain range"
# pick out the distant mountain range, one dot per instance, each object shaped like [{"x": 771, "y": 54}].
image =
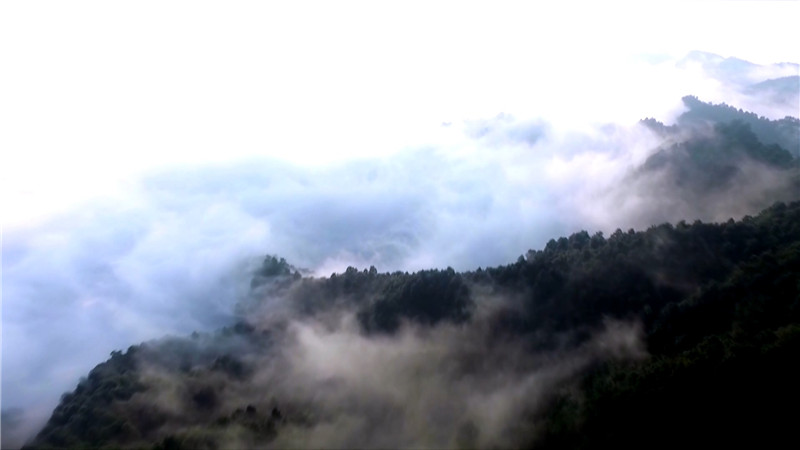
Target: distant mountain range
[
  {"x": 737, "y": 71},
  {"x": 777, "y": 85}
]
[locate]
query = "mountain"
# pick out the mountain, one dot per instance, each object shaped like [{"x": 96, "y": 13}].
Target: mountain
[
  {"x": 713, "y": 163},
  {"x": 680, "y": 332},
  {"x": 784, "y": 132},
  {"x": 771, "y": 89},
  {"x": 717, "y": 158},
  {"x": 719, "y": 372},
  {"x": 736, "y": 71},
  {"x": 780, "y": 91},
  {"x": 677, "y": 332}
]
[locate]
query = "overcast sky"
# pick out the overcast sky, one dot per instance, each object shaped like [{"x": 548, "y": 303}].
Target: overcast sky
[
  {"x": 96, "y": 91},
  {"x": 151, "y": 150}
]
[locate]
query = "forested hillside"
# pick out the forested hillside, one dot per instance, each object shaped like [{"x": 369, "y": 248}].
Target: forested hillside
[
  {"x": 784, "y": 132},
  {"x": 365, "y": 225},
  {"x": 641, "y": 338},
  {"x": 713, "y": 163},
  {"x": 680, "y": 332}
]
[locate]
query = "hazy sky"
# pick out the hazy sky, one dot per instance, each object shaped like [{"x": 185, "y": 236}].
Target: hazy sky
[
  {"x": 96, "y": 91},
  {"x": 150, "y": 150}
]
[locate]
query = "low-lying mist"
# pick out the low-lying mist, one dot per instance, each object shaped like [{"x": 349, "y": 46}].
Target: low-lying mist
[
  {"x": 174, "y": 252},
  {"x": 327, "y": 384}
]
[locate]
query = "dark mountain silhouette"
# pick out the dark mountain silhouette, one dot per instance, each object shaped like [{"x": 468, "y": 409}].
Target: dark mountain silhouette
[
  {"x": 681, "y": 332},
  {"x": 717, "y": 307},
  {"x": 715, "y": 162},
  {"x": 784, "y": 132}
]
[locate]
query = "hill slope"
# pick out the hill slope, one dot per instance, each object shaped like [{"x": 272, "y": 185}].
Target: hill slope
[
  {"x": 784, "y": 132},
  {"x": 674, "y": 333}
]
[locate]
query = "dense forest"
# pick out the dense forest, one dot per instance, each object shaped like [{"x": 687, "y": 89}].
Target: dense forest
[
  {"x": 716, "y": 306},
  {"x": 682, "y": 332},
  {"x": 715, "y": 162},
  {"x": 784, "y": 132}
]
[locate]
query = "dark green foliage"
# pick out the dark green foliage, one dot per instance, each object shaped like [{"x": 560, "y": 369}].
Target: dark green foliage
[
  {"x": 101, "y": 411},
  {"x": 722, "y": 369},
  {"x": 719, "y": 305},
  {"x": 84, "y": 417},
  {"x": 427, "y": 297},
  {"x": 273, "y": 267},
  {"x": 275, "y": 270},
  {"x": 716, "y": 159},
  {"x": 383, "y": 300},
  {"x": 709, "y": 162}
]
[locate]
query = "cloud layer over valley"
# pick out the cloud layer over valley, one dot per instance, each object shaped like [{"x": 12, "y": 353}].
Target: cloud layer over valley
[{"x": 130, "y": 219}]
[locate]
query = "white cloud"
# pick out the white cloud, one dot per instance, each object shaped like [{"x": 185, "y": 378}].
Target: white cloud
[{"x": 149, "y": 149}]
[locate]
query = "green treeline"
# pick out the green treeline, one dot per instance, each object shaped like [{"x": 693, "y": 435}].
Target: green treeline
[
  {"x": 719, "y": 305},
  {"x": 784, "y": 132}
]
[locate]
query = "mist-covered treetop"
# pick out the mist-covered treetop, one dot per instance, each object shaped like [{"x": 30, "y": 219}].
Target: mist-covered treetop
[
  {"x": 679, "y": 332},
  {"x": 784, "y": 132}
]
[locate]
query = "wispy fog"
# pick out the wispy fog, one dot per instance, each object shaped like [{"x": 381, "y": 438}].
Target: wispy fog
[
  {"x": 174, "y": 253},
  {"x": 150, "y": 169},
  {"x": 444, "y": 387}
]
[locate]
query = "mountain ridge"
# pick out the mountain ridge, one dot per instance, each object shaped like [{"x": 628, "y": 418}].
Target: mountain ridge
[
  {"x": 551, "y": 351},
  {"x": 673, "y": 280}
]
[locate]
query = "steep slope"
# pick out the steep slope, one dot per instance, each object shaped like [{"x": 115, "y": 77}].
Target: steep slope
[
  {"x": 642, "y": 338},
  {"x": 715, "y": 162},
  {"x": 784, "y": 132},
  {"x": 713, "y": 159},
  {"x": 721, "y": 370}
]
